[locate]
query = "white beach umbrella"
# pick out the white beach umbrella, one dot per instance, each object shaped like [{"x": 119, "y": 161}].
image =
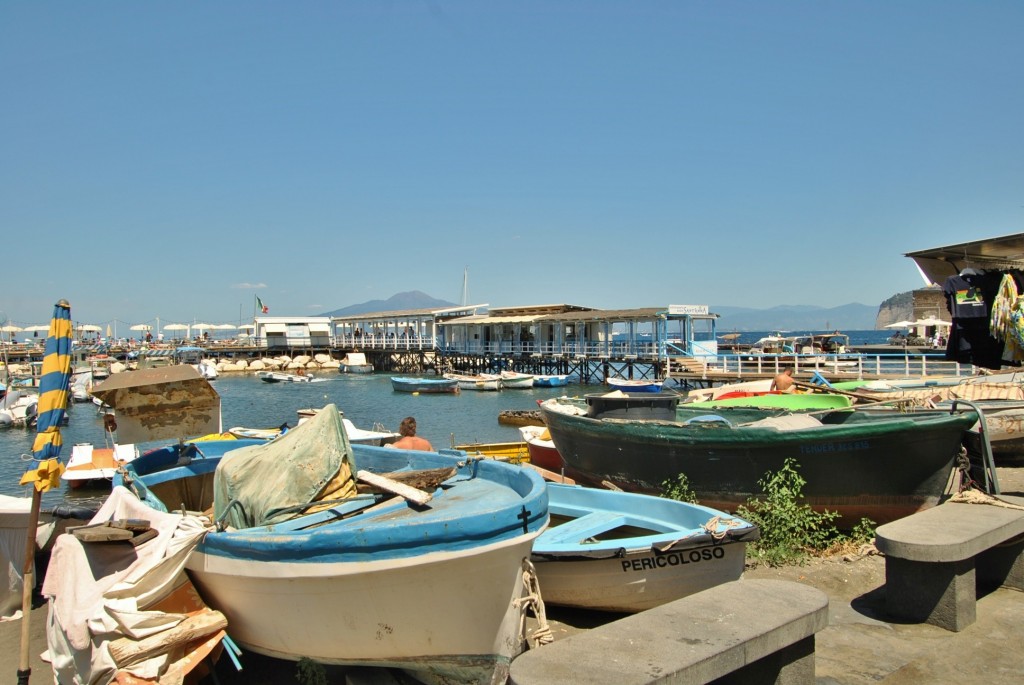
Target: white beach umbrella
[
  {"x": 901, "y": 324},
  {"x": 931, "y": 321},
  {"x": 37, "y": 328},
  {"x": 203, "y": 326},
  {"x": 141, "y": 327},
  {"x": 225, "y": 327},
  {"x": 247, "y": 327},
  {"x": 176, "y": 327},
  {"x": 90, "y": 328}
]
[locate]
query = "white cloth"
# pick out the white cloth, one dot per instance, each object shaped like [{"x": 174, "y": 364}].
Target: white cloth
[{"x": 99, "y": 591}]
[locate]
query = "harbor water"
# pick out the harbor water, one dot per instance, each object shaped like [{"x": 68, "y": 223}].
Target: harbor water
[
  {"x": 249, "y": 402},
  {"x": 367, "y": 400}
]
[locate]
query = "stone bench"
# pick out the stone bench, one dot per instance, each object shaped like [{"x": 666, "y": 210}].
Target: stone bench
[
  {"x": 745, "y": 631},
  {"x": 937, "y": 559}
]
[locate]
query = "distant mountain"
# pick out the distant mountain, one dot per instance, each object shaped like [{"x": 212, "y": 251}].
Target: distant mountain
[
  {"x": 411, "y": 300},
  {"x": 850, "y": 317}
]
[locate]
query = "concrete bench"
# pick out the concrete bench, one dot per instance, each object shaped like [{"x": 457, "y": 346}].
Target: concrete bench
[
  {"x": 937, "y": 559},
  {"x": 745, "y": 631}
]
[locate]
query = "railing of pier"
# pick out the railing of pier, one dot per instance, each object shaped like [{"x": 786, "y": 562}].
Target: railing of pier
[{"x": 853, "y": 366}]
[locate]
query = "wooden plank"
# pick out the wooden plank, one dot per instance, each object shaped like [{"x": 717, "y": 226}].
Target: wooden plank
[
  {"x": 126, "y": 651},
  {"x": 393, "y": 486},
  {"x": 422, "y": 479}
]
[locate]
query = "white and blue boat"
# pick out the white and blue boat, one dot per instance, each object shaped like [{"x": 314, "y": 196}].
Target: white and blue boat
[
  {"x": 362, "y": 578},
  {"x": 625, "y": 552},
  {"x": 424, "y": 385},
  {"x": 550, "y": 381},
  {"x": 627, "y": 385}
]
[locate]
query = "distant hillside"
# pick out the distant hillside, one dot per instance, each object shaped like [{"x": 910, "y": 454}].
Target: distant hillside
[
  {"x": 850, "y": 317},
  {"x": 410, "y": 300}
]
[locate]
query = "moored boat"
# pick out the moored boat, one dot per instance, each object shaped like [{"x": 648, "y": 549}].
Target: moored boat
[
  {"x": 423, "y": 385},
  {"x": 541, "y": 448},
  {"x": 360, "y": 579},
  {"x": 515, "y": 379},
  {"x": 89, "y": 464},
  {"x": 863, "y": 465},
  {"x": 639, "y": 385},
  {"x": 541, "y": 380},
  {"x": 355, "y": 362},
  {"x": 626, "y": 552},
  {"x": 481, "y": 381}
]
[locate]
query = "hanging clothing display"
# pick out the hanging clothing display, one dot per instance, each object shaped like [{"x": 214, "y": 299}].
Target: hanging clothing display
[
  {"x": 970, "y": 296},
  {"x": 1007, "y": 320}
]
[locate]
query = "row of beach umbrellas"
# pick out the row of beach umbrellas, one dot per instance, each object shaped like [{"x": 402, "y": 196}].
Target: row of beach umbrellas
[{"x": 92, "y": 328}]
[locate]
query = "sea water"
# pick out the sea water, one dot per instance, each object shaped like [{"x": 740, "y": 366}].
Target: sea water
[{"x": 366, "y": 399}]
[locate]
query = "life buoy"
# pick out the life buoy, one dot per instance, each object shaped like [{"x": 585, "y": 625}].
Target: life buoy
[{"x": 109, "y": 423}]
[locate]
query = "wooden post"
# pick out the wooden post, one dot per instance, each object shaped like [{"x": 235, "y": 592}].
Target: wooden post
[{"x": 28, "y": 586}]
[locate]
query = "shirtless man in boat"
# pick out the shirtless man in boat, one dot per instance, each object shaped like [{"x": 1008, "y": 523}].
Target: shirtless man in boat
[
  {"x": 409, "y": 439},
  {"x": 784, "y": 381}
]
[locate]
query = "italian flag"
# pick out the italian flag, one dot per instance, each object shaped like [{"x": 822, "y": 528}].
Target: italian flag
[{"x": 262, "y": 307}]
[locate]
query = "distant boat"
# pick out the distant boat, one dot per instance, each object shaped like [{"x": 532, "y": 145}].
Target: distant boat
[
  {"x": 634, "y": 385},
  {"x": 196, "y": 357},
  {"x": 482, "y": 381},
  {"x": 423, "y": 385},
  {"x": 280, "y": 377},
  {"x": 618, "y": 551},
  {"x": 355, "y": 362},
  {"x": 550, "y": 381},
  {"x": 515, "y": 379}
]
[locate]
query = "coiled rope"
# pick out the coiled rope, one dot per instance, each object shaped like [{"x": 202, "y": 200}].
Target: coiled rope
[{"x": 532, "y": 600}]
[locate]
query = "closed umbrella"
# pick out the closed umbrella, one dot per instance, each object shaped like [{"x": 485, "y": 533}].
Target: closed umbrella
[{"x": 54, "y": 387}]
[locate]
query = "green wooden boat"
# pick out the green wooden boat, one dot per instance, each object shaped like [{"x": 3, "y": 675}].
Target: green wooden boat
[{"x": 862, "y": 464}]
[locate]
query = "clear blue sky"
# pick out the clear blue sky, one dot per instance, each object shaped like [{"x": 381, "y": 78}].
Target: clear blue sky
[{"x": 174, "y": 160}]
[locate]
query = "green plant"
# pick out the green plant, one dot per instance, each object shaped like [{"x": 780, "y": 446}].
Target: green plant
[
  {"x": 310, "y": 672},
  {"x": 679, "y": 489},
  {"x": 789, "y": 530}
]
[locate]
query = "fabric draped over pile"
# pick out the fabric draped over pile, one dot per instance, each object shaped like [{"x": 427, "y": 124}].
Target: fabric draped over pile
[{"x": 277, "y": 481}]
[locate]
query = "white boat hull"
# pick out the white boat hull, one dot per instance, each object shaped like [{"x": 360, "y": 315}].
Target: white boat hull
[
  {"x": 400, "y": 613},
  {"x": 637, "y": 581}
]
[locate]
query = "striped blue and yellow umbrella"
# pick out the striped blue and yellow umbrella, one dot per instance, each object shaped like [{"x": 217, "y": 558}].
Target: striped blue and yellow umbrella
[{"x": 54, "y": 388}]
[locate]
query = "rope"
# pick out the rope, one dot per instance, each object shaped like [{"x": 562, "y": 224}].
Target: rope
[
  {"x": 711, "y": 528},
  {"x": 972, "y": 496},
  {"x": 532, "y": 600}
]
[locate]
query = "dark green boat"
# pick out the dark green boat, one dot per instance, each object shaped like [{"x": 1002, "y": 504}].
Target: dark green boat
[{"x": 863, "y": 465}]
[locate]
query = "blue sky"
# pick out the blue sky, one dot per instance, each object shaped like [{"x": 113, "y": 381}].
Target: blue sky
[{"x": 175, "y": 160}]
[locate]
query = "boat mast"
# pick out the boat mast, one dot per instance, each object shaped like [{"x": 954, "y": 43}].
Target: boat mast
[{"x": 465, "y": 287}]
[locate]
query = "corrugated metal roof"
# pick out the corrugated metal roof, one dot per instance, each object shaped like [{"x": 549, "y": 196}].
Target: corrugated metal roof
[{"x": 939, "y": 263}]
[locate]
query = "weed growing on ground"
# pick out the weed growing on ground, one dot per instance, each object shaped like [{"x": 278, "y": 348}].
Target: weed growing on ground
[
  {"x": 790, "y": 531},
  {"x": 679, "y": 489}
]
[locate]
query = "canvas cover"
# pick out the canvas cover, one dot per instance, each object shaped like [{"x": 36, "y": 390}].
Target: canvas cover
[{"x": 269, "y": 481}]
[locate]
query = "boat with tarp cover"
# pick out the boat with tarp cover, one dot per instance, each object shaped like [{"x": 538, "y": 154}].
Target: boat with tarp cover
[{"x": 313, "y": 556}]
